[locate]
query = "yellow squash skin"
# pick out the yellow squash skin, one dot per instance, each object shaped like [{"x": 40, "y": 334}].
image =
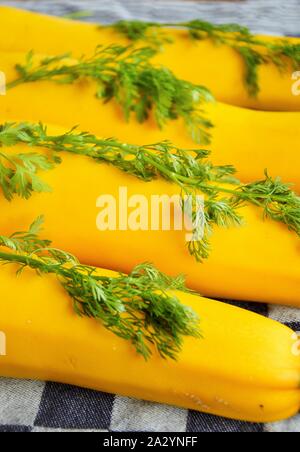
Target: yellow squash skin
[
  {"x": 258, "y": 262},
  {"x": 217, "y": 67},
  {"x": 243, "y": 368},
  {"x": 250, "y": 140}
]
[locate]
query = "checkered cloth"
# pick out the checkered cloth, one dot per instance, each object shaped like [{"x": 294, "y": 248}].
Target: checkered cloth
[{"x": 32, "y": 406}]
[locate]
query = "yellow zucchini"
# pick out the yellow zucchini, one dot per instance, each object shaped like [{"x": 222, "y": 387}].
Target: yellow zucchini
[
  {"x": 258, "y": 261},
  {"x": 250, "y": 140},
  {"x": 243, "y": 368},
  {"x": 218, "y": 67}
]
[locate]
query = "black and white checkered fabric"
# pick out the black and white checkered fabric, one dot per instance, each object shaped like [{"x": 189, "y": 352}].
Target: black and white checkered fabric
[{"x": 32, "y": 406}]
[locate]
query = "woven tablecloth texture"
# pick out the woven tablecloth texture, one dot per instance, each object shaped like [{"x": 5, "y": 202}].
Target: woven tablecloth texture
[{"x": 32, "y": 406}]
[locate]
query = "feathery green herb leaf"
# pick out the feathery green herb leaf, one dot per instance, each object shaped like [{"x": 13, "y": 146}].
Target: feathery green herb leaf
[
  {"x": 26, "y": 241},
  {"x": 18, "y": 173},
  {"x": 139, "y": 307},
  {"x": 190, "y": 170},
  {"x": 128, "y": 77},
  {"x": 254, "y": 51},
  {"x": 136, "y": 30}
]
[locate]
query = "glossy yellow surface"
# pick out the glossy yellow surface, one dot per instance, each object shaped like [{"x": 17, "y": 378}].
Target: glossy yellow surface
[
  {"x": 243, "y": 367},
  {"x": 217, "y": 67},
  {"x": 259, "y": 261},
  {"x": 250, "y": 140}
]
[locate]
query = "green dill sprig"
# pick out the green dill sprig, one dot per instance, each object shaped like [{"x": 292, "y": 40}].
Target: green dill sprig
[
  {"x": 140, "y": 307},
  {"x": 18, "y": 172},
  {"x": 127, "y": 76},
  {"x": 137, "y": 30},
  {"x": 190, "y": 170},
  {"x": 253, "y": 50},
  {"x": 26, "y": 241},
  {"x": 277, "y": 200}
]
